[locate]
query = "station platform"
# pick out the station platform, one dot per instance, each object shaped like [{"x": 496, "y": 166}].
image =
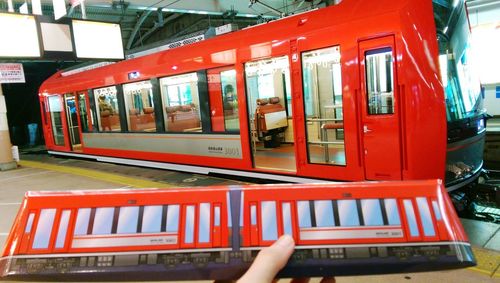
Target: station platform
[{"x": 38, "y": 171}]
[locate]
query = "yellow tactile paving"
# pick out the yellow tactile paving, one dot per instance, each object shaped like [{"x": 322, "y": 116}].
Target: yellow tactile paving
[
  {"x": 107, "y": 177},
  {"x": 488, "y": 261}
]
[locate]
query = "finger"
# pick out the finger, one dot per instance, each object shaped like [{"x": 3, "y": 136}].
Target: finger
[
  {"x": 300, "y": 280},
  {"x": 328, "y": 280},
  {"x": 269, "y": 261}
]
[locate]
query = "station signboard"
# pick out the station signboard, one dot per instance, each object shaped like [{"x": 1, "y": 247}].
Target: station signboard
[{"x": 11, "y": 73}]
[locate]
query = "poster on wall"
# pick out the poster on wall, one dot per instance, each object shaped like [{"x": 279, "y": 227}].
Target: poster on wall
[{"x": 11, "y": 73}]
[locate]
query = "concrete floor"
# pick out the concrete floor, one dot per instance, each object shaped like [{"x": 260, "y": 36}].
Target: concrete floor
[{"x": 50, "y": 175}]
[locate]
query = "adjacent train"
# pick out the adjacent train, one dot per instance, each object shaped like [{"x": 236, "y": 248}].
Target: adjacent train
[
  {"x": 362, "y": 90},
  {"x": 215, "y": 233}
]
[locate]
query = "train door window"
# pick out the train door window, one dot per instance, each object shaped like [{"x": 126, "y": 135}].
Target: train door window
[
  {"x": 411, "y": 218},
  {"x": 107, "y": 106},
  {"x": 140, "y": 106},
  {"x": 56, "y": 117},
  {"x": 103, "y": 220},
  {"x": 29, "y": 224},
  {"x": 348, "y": 213},
  {"x": 268, "y": 220},
  {"x": 204, "y": 223},
  {"x": 304, "y": 214},
  {"x": 82, "y": 221},
  {"x": 151, "y": 219},
  {"x": 437, "y": 212},
  {"x": 286, "y": 209},
  {"x": 372, "y": 213},
  {"x": 322, "y": 84},
  {"x": 253, "y": 214},
  {"x": 230, "y": 100},
  {"x": 379, "y": 80},
  {"x": 44, "y": 228},
  {"x": 181, "y": 103},
  {"x": 217, "y": 216},
  {"x": 323, "y": 211},
  {"x": 189, "y": 226},
  {"x": 426, "y": 217},
  {"x": 63, "y": 229},
  {"x": 267, "y": 84},
  {"x": 172, "y": 218},
  {"x": 85, "y": 117},
  {"x": 127, "y": 220},
  {"x": 392, "y": 212}
]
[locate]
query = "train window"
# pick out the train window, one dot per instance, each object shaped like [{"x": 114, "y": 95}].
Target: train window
[
  {"x": 151, "y": 219},
  {"x": 103, "y": 220},
  {"x": 84, "y": 113},
  {"x": 230, "y": 100},
  {"x": 287, "y": 218},
  {"x": 217, "y": 216},
  {"x": 392, "y": 212},
  {"x": 44, "y": 228},
  {"x": 437, "y": 212},
  {"x": 379, "y": 81},
  {"x": 63, "y": 229},
  {"x": 268, "y": 220},
  {"x": 173, "y": 218},
  {"x": 323, "y": 211},
  {"x": 304, "y": 214},
  {"x": 229, "y": 215},
  {"x": 204, "y": 223},
  {"x": 140, "y": 107},
  {"x": 348, "y": 213},
  {"x": 107, "y": 106},
  {"x": 31, "y": 217},
  {"x": 322, "y": 83},
  {"x": 425, "y": 216},
  {"x": 372, "y": 213},
  {"x": 410, "y": 216},
  {"x": 189, "y": 226},
  {"x": 55, "y": 108},
  {"x": 181, "y": 103},
  {"x": 127, "y": 220},
  {"x": 82, "y": 221},
  {"x": 253, "y": 214}
]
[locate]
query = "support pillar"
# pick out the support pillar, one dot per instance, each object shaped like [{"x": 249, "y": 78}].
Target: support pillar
[{"x": 6, "y": 160}]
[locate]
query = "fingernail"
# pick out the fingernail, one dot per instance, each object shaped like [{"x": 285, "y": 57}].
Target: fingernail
[{"x": 284, "y": 241}]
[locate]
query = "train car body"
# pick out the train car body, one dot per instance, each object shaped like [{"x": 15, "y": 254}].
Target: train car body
[
  {"x": 350, "y": 92},
  {"x": 215, "y": 233}
]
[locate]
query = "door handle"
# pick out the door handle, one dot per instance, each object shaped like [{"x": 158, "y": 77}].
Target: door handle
[{"x": 365, "y": 129}]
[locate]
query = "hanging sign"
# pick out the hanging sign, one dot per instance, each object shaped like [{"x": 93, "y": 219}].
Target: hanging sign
[{"x": 11, "y": 73}]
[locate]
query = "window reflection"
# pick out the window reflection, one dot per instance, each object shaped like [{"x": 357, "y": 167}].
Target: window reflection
[
  {"x": 140, "y": 106},
  {"x": 107, "y": 104},
  {"x": 379, "y": 81}
]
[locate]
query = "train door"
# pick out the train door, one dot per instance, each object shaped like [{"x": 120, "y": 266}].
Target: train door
[
  {"x": 72, "y": 120},
  {"x": 380, "y": 132},
  {"x": 57, "y": 126},
  {"x": 223, "y": 97},
  {"x": 270, "y": 114}
]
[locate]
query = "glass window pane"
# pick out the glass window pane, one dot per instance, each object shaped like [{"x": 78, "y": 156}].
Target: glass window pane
[
  {"x": 140, "y": 106},
  {"x": 204, "y": 224},
  {"x": 410, "y": 216},
  {"x": 304, "y": 214},
  {"x": 323, "y": 211},
  {"x": 84, "y": 113},
  {"x": 82, "y": 221},
  {"x": 217, "y": 216},
  {"x": 128, "y": 219},
  {"x": 253, "y": 215},
  {"x": 287, "y": 218},
  {"x": 151, "y": 219},
  {"x": 55, "y": 108},
  {"x": 425, "y": 216},
  {"x": 228, "y": 206},
  {"x": 63, "y": 229},
  {"x": 44, "y": 229},
  {"x": 181, "y": 103},
  {"x": 107, "y": 106},
  {"x": 269, "y": 223},
  {"x": 348, "y": 213},
  {"x": 437, "y": 211},
  {"x": 379, "y": 82},
  {"x": 103, "y": 220},
  {"x": 31, "y": 217},
  {"x": 189, "y": 228},
  {"x": 322, "y": 84},
  {"x": 230, "y": 100},
  {"x": 372, "y": 213},
  {"x": 173, "y": 218},
  {"x": 392, "y": 212}
]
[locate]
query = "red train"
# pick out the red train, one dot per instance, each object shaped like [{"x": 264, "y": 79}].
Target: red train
[
  {"x": 357, "y": 91},
  {"x": 214, "y": 233}
]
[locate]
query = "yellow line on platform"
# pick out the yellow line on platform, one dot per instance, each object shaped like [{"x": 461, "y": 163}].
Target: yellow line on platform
[
  {"x": 94, "y": 174},
  {"x": 487, "y": 261}
]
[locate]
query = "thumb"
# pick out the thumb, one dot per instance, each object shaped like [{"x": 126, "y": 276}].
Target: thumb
[{"x": 269, "y": 261}]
